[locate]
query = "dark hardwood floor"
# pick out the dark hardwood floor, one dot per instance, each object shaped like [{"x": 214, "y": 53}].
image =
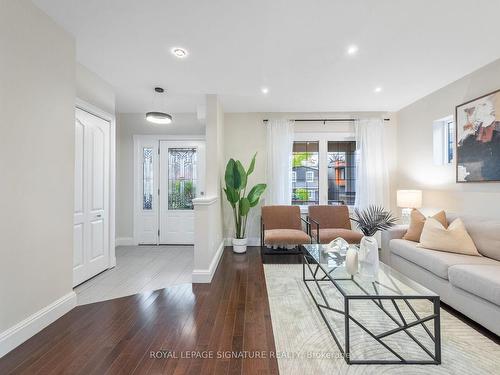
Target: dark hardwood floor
[
  {"x": 229, "y": 317},
  {"x": 117, "y": 337}
]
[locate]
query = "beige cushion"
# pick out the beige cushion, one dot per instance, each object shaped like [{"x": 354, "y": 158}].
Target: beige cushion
[
  {"x": 327, "y": 235},
  {"x": 285, "y": 237},
  {"x": 417, "y": 221},
  {"x": 485, "y": 232},
  {"x": 437, "y": 262},
  {"x": 481, "y": 280},
  {"x": 453, "y": 239}
]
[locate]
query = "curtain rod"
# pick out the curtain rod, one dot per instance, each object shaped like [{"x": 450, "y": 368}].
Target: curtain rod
[{"x": 325, "y": 120}]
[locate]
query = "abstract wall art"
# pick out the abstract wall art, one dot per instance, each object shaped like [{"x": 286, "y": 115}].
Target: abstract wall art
[{"x": 478, "y": 139}]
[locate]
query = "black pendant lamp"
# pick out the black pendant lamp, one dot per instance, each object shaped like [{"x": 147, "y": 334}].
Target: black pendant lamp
[{"x": 161, "y": 118}]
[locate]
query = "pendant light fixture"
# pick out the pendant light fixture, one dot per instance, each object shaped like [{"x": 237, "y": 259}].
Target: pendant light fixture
[{"x": 159, "y": 117}]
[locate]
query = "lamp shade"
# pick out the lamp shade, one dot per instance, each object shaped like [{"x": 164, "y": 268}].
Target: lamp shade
[
  {"x": 409, "y": 198},
  {"x": 159, "y": 118}
]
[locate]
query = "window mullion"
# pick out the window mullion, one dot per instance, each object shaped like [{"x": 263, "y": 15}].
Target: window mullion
[{"x": 323, "y": 172}]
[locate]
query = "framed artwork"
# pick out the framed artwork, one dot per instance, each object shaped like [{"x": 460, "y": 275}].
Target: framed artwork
[{"x": 478, "y": 139}]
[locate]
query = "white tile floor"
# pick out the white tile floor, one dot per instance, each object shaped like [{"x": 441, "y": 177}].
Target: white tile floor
[{"x": 139, "y": 269}]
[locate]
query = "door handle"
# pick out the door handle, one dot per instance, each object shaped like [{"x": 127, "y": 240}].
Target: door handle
[{"x": 98, "y": 215}]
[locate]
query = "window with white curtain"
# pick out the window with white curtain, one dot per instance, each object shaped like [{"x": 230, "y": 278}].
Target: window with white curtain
[{"x": 324, "y": 170}]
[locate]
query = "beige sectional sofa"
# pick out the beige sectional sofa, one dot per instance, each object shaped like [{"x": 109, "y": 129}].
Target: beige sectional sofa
[{"x": 469, "y": 284}]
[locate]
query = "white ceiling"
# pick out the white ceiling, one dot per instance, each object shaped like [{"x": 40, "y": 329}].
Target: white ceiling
[{"x": 297, "y": 48}]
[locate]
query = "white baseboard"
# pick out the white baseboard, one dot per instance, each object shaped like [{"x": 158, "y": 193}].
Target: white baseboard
[
  {"x": 252, "y": 241},
  {"x": 124, "y": 241},
  {"x": 205, "y": 276},
  {"x": 22, "y": 331}
]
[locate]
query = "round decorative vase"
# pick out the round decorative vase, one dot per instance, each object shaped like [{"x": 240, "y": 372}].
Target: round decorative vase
[
  {"x": 351, "y": 260},
  {"x": 368, "y": 257},
  {"x": 240, "y": 245}
]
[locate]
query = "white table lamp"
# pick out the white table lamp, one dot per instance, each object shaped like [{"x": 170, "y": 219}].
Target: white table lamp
[{"x": 408, "y": 200}]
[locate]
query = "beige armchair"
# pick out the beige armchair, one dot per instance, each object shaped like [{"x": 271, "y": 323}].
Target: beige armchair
[
  {"x": 282, "y": 225},
  {"x": 330, "y": 222}
]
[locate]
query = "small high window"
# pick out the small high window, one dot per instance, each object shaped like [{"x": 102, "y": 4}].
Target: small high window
[{"x": 443, "y": 140}]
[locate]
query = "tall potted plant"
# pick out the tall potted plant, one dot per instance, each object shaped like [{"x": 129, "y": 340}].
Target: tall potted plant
[{"x": 236, "y": 178}]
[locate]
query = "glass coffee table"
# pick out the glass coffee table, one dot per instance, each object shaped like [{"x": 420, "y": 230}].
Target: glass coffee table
[{"x": 389, "y": 319}]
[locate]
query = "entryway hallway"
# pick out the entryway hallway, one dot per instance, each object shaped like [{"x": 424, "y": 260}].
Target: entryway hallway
[{"x": 139, "y": 269}]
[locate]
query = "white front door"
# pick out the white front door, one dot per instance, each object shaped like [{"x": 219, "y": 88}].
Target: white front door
[
  {"x": 181, "y": 180},
  {"x": 91, "y": 215}
]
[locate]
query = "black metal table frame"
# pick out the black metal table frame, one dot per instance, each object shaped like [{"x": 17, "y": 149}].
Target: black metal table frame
[{"x": 402, "y": 326}]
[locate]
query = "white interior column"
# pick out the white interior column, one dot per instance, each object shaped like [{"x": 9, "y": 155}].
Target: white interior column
[
  {"x": 214, "y": 139},
  {"x": 208, "y": 239}
]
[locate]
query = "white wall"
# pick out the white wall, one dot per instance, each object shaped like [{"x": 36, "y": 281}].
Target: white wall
[
  {"x": 37, "y": 83},
  {"x": 94, "y": 90},
  {"x": 128, "y": 124},
  {"x": 415, "y": 160},
  {"x": 245, "y": 134}
]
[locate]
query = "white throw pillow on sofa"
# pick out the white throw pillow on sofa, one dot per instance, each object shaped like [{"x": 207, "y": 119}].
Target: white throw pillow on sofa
[{"x": 453, "y": 239}]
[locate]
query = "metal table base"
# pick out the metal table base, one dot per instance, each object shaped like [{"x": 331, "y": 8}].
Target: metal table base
[{"x": 402, "y": 325}]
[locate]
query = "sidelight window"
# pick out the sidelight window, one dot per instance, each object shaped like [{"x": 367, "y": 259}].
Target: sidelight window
[{"x": 147, "y": 178}]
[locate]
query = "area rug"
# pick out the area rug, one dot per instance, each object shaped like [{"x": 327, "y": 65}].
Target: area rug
[{"x": 304, "y": 344}]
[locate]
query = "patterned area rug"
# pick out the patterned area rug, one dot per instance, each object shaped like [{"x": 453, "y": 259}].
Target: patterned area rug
[{"x": 305, "y": 346}]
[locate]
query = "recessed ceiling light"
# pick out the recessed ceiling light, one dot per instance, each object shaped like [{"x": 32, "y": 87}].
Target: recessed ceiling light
[
  {"x": 378, "y": 89},
  {"x": 179, "y": 52},
  {"x": 352, "y": 49},
  {"x": 264, "y": 90}
]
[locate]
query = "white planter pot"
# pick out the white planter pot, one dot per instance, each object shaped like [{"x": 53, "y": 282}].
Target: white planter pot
[
  {"x": 368, "y": 257},
  {"x": 240, "y": 245}
]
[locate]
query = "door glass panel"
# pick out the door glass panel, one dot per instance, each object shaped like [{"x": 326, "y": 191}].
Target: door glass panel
[
  {"x": 182, "y": 178},
  {"x": 147, "y": 178}
]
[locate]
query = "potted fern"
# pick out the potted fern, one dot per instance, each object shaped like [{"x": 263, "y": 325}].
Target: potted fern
[{"x": 236, "y": 178}]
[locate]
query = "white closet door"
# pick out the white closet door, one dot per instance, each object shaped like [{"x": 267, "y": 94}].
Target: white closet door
[{"x": 91, "y": 216}]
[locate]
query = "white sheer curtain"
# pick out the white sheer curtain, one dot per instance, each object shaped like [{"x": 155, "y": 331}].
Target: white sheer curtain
[
  {"x": 279, "y": 165},
  {"x": 372, "y": 179}
]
